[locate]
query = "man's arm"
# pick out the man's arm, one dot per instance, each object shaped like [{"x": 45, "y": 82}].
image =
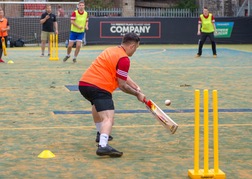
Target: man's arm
[
  {"x": 76, "y": 25},
  {"x": 215, "y": 31},
  {"x": 132, "y": 84},
  {"x": 86, "y": 24},
  {"x": 73, "y": 18},
  {"x": 123, "y": 85},
  {"x": 55, "y": 26},
  {"x": 43, "y": 19},
  {"x": 199, "y": 26},
  {"x": 213, "y": 21},
  {"x": 7, "y": 28}
]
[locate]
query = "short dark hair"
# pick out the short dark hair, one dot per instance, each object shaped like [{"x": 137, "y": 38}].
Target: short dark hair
[{"x": 130, "y": 37}]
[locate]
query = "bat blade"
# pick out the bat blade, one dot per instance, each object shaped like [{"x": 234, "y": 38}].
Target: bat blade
[{"x": 161, "y": 117}]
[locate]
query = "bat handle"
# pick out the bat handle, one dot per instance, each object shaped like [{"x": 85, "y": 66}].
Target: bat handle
[
  {"x": 147, "y": 103},
  {"x": 145, "y": 100}
]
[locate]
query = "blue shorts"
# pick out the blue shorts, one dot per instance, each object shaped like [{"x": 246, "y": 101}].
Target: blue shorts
[{"x": 75, "y": 36}]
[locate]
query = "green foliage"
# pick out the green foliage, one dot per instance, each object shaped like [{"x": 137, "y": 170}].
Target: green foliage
[
  {"x": 63, "y": 1},
  {"x": 99, "y": 3},
  {"x": 92, "y": 3},
  {"x": 188, "y": 4}
]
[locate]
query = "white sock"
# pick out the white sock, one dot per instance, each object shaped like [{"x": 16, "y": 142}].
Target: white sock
[
  {"x": 103, "y": 140},
  {"x": 98, "y": 126}
]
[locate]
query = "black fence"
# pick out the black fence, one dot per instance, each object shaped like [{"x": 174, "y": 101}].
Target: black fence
[{"x": 109, "y": 30}]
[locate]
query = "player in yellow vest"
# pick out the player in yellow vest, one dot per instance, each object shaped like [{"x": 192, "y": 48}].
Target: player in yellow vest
[
  {"x": 108, "y": 72},
  {"x": 4, "y": 27},
  {"x": 206, "y": 28},
  {"x": 79, "y": 23}
]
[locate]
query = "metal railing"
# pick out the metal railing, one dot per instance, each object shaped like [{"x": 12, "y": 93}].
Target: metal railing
[
  {"x": 35, "y": 9},
  {"x": 104, "y": 12},
  {"x": 166, "y": 12}
]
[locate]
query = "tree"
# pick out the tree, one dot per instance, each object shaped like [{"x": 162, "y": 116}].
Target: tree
[
  {"x": 99, "y": 3},
  {"x": 92, "y": 3},
  {"x": 188, "y": 4}
]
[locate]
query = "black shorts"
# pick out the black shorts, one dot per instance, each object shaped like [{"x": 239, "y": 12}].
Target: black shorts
[{"x": 100, "y": 98}]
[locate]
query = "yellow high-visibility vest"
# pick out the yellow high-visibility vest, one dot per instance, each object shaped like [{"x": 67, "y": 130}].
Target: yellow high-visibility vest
[
  {"x": 81, "y": 20},
  {"x": 206, "y": 23}
]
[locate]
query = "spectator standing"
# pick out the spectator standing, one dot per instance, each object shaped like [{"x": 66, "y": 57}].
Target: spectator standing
[
  {"x": 49, "y": 26},
  {"x": 61, "y": 12}
]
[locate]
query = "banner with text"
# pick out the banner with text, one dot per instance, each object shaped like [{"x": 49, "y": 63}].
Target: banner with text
[
  {"x": 224, "y": 29},
  {"x": 161, "y": 30},
  {"x": 117, "y": 29}
]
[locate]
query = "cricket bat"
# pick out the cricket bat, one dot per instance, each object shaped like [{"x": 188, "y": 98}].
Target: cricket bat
[{"x": 161, "y": 117}]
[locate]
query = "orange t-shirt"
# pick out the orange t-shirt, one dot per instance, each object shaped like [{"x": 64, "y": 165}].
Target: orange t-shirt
[
  {"x": 4, "y": 24},
  {"x": 102, "y": 72}
]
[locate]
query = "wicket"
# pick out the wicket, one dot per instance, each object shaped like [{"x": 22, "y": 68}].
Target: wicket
[
  {"x": 54, "y": 51},
  {"x": 197, "y": 173}
]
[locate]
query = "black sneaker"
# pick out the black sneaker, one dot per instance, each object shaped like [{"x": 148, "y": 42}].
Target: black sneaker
[
  {"x": 108, "y": 150},
  {"x": 74, "y": 60},
  {"x": 65, "y": 59},
  {"x": 98, "y": 137}
]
